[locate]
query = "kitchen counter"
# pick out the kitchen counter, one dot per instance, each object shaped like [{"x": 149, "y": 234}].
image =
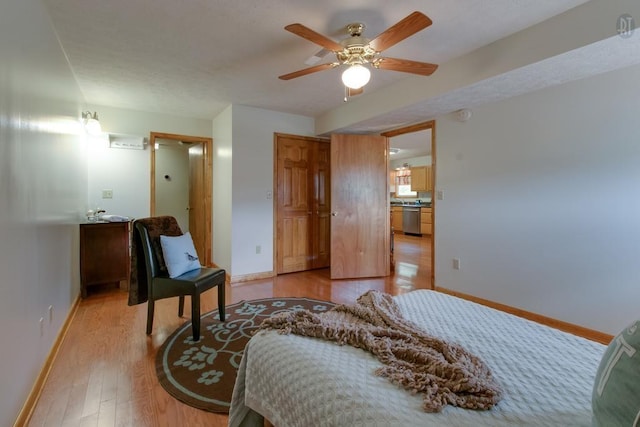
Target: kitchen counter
[{"x": 413, "y": 205}]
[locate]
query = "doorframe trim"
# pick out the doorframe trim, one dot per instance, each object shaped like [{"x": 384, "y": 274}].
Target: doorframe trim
[
  {"x": 207, "y": 145},
  {"x": 431, "y": 124}
]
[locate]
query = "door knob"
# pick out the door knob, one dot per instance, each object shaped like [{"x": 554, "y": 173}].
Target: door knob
[{"x": 334, "y": 213}]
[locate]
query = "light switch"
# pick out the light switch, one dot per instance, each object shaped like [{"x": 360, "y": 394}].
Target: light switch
[
  {"x": 107, "y": 194},
  {"x": 440, "y": 195}
]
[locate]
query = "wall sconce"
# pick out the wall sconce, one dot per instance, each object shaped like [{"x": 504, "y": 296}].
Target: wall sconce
[
  {"x": 91, "y": 123},
  {"x": 356, "y": 76}
]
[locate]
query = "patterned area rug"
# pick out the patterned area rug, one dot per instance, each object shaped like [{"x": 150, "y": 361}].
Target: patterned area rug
[{"x": 202, "y": 374}]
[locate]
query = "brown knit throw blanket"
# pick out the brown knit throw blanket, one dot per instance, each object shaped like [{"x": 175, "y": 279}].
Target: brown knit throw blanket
[{"x": 444, "y": 372}]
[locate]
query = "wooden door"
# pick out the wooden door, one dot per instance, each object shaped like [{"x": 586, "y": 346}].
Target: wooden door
[
  {"x": 196, "y": 200},
  {"x": 303, "y": 217},
  {"x": 293, "y": 209},
  {"x": 321, "y": 215},
  {"x": 360, "y": 230}
]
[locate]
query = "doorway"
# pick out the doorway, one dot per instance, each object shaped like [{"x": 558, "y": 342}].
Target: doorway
[
  {"x": 181, "y": 185},
  {"x": 429, "y": 125}
]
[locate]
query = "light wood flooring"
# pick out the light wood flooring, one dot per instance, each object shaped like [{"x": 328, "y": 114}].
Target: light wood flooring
[{"x": 104, "y": 373}]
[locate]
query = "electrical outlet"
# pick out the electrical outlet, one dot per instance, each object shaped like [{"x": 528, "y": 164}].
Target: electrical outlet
[
  {"x": 107, "y": 194},
  {"x": 269, "y": 195},
  {"x": 42, "y": 326},
  {"x": 456, "y": 263},
  {"x": 440, "y": 194},
  {"x": 258, "y": 249},
  {"x": 50, "y": 314}
]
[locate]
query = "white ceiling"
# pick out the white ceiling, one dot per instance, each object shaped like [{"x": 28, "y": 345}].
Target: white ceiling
[{"x": 196, "y": 57}]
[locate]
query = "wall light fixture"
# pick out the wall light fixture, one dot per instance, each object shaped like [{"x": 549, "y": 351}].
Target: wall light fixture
[{"x": 91, "y": 122}]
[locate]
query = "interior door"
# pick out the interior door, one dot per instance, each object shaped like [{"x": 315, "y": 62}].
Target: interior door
[
  {"x": 294, "y": 211},
  {"x": 321, "y": 218},
  {"x": 360, "y": 229},
  {"x": 303, "y": 204},
  {"x": 197, "y": 201}
]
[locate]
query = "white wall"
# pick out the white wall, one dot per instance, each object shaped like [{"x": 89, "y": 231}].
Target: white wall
[
  {"x": 542, "y": 202},
  {"x": 252, "y": 179},
  {"x": 222, "y": 189},
  {"x": 128, "y": 172},
  {"x": 43, "y": 189}
]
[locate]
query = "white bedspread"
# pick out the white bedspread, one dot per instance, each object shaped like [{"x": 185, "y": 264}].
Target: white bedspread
[{"x": 546, "y": 375}]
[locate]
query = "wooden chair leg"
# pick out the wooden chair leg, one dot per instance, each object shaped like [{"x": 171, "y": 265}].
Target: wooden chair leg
[
  {"x": 221, "y": 301},
  {"x": 195, "y": 316},
  {"x": 180, "y": 305},
  {"x": 150, "y": 307}
]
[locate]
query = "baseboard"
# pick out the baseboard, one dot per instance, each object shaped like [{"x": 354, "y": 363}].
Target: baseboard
[
  {"x": 27, "y": 409},
  {"x": 248, "y": 277},
  {"x": 548, "y": 321}
]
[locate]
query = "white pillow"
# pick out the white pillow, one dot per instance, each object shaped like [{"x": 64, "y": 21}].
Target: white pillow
[{"x": 179, "y": 254}]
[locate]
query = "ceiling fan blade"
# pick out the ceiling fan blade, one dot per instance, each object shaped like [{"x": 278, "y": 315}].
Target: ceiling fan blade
[
  {"x": 309, "y": 70},
  {"x": 408, "y": 26},
  {"x": 406, "y": 66},
  {"x": 312, "y": 36}
]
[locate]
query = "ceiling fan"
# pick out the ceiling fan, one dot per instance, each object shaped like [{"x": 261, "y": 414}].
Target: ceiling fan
[{"x": 357, "y": 51}]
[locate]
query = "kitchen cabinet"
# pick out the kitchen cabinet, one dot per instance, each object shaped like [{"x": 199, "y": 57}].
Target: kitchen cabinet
[
  {"x": 421, "y": 178},
  {"x": 426, "y": 221},
  {"x": 392, "y": 181},
  {"x": 396, "y": 218},
  {"x": 104, "y": 253}
]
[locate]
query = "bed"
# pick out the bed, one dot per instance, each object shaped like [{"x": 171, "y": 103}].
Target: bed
[{"x": 546, "y": 375}]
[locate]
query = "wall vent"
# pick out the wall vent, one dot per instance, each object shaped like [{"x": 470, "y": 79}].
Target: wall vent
[{"x": 131, "y": 142}]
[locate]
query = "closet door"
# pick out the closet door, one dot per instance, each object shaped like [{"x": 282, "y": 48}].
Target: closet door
[
  {"x": 303, "y": 203},
  {"x": 321, "y": 216}
]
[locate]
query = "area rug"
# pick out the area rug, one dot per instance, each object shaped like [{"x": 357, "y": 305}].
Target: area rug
[{"x": 202, "y": 374}]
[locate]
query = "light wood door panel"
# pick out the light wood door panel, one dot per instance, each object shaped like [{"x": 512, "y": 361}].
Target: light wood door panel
[
  {"x": 294, "y": 211},
  {"x": 321, "y": 228},
  {"x": 196, "y": 201},
  {"x": 295, "y": 245},
  {"x": 360, "y": 229},
  {"x": 303, "y": 203}
]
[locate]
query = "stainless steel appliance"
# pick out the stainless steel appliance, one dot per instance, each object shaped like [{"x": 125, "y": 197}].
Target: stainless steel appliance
[{"x": 411, "y": 220}]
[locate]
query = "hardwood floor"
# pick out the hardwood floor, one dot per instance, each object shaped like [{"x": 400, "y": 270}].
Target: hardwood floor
[{"x": 104, "y": 373}]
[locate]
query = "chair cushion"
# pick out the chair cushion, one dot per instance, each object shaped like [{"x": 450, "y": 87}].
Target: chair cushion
[{"x": 179, "y": 254}]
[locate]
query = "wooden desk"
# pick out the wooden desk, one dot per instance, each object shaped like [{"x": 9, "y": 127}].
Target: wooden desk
[{"x": 104, "y": 253}]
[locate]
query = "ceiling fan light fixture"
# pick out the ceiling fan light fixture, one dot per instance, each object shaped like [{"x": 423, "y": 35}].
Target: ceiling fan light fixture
[{"x": 356, "y": 76}]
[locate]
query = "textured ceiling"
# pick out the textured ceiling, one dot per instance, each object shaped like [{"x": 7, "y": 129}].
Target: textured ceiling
[{"x": 196, "y": 57}]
